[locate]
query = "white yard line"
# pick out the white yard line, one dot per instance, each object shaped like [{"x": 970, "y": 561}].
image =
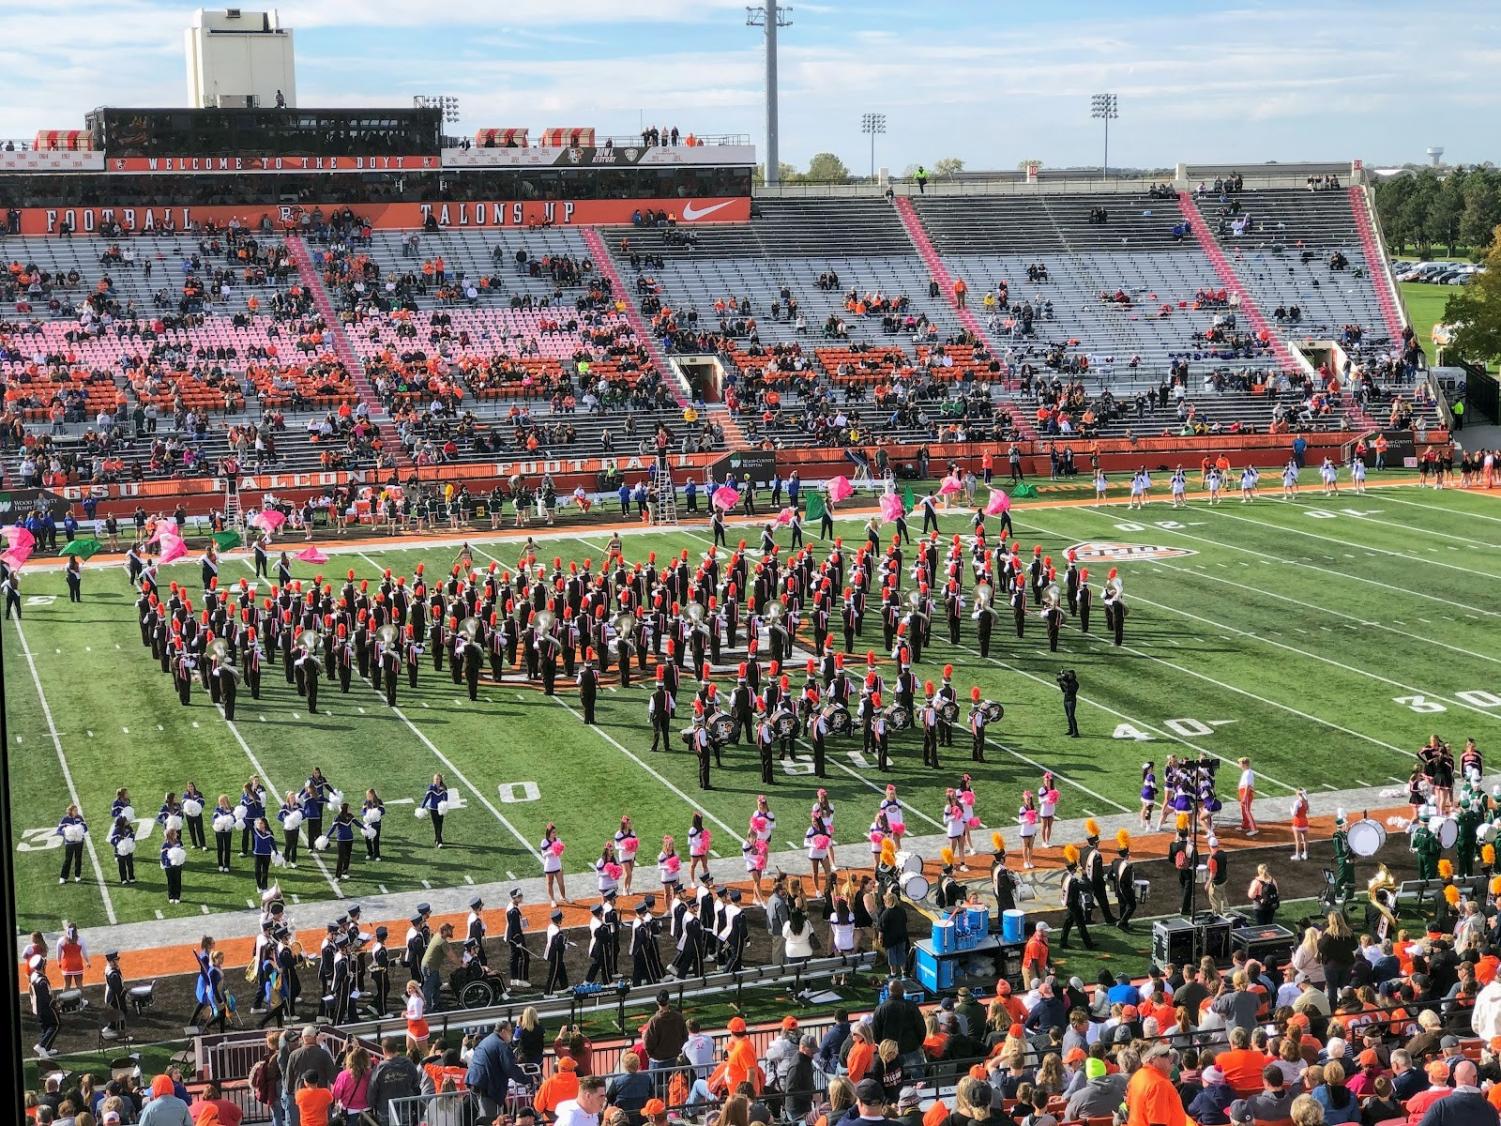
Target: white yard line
[
  {"x": 62, "y": 761},
  {"x": 1387, "y": 497}
]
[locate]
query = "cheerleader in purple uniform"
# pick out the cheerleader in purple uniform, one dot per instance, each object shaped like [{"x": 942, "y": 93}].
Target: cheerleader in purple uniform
[
  {"x": 1169, "y": 787},
  {"x": 1148, "y": 793},
  {"x": 1209, "y": 803}
]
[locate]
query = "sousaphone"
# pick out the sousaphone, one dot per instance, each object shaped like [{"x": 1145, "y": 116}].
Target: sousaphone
[
  {"x": 308, "y": 640},
  {"x": 625, "y": 627},
  {"x": 218, "y": 649},
  {"x": 984, "y": 594},
  {"x": 470, "y": 627},
  {"x": 774, "y": 613},
  {"x": 388, "y": 634}
]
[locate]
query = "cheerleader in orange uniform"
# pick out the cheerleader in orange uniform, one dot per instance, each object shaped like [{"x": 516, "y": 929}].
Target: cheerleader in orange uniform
[{"x": 1300, "y": 826}]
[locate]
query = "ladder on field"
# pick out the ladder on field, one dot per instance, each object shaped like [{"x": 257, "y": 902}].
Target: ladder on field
[
  {"x": 664, "y": 501},
  {"x": 233, "y": 516}
]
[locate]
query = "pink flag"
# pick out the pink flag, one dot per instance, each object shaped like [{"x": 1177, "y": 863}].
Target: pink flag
[
  {"x": 269, "y": 519},
  {"x": 726, "y": 498},
  {"x": 949, "y": 486},
  {"x": 22, "y": 543},
  {"x": 785, "y": 516},
  {"x": 891, "y": 507},
  {"x": 172, "y": 546},
  {"x": 999, "y": 502},
  {"x": 840, "y": 489},
  {"x": 311, "y": 554}
]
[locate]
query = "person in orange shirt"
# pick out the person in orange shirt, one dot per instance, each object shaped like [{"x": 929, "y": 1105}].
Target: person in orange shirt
[
  {"x": 862, "y": 1052},
  {"x": 1035, "y": 956},
  {"x": 1242, "y": 1064},
  {"x": 1151, "y": 1098},
  {"x": 313, "y": 1101},
  {"x": 558, "y": 1087}
]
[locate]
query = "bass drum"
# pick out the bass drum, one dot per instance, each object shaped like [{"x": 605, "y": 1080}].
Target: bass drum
[
  {"x": 908, "y": 861},
  {"x": 914, "y": 885},
  {"x": 899, "y": 717},
  {"x": 1367, "y": 837},
  {"x": 838, "y": 718},
  {"x": 1448, "y": 832},
  {"x": 948, "y": 711},
  {"x": 722, "y": 728}
]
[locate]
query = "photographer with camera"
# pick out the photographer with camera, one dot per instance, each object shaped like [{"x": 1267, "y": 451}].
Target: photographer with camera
[{"x": 1068, "y": 684}]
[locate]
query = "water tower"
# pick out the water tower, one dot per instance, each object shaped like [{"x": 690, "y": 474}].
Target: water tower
[{"x": 1435, "y": 155}]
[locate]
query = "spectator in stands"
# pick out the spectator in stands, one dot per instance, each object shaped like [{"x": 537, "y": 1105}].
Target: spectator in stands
[{"x": 900, "y": 1020}]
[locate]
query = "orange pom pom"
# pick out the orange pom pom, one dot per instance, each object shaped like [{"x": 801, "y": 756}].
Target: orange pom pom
[
  {"x": 946, "y": 854},
  {"x": 1488, "y": 854},
  {"x": 1182, "y": 821}
]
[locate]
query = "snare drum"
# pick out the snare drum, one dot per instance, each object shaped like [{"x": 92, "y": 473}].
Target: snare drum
[{"x": 1367, "y": 837}]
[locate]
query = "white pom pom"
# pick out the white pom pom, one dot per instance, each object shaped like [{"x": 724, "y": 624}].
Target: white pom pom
[
  {"x": 278, "y": 860},
  {"x": 223, "y": 823},
  {"x": 174, "y": 822},
  {"x": 241, "y": 812},
  {"x": 128, "y": 812},
  {"x": 420, "y": 813},
  {"x": 191, "y": 807},
  {"x": 369, "y": 832},
  {"x": 177, "y": 856},
  {"x": 291, "y": 821},
  {"x": 239, "y": 823},
  {"x": 321, "y": 843},
  {"x": 443, "y": 807},
  {"x": 336, "y": 798},
  {"x": 73, "y": 833},
  {"x": 373, "y": 815},
  {"x": 125, "y": 846}
]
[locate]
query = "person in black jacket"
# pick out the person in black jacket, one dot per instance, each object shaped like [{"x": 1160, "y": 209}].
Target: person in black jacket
[
  {"x": 799, "y": 1086},
  {"x": 899, "y": 1019},
  {"x": 891, "y": 925}
]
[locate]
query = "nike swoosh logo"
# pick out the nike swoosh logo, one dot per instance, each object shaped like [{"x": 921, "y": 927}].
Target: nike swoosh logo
[{"x": 692, "y": 214}]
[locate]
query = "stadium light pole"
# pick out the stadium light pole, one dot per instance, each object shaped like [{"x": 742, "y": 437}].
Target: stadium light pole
[
  {"x": 446, "y": 103},
  {"x": 1104, "y": 107},
  {"x": 771, "y": 16},
  {"x": 875, "y": 125}
]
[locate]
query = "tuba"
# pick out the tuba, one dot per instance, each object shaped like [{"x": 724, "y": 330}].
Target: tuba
[
  {"x": 308, "y": 640},
  {"x": 984, "y": 594},
  {"x": 388, "y": 635},
  {"x": 218, "y": 649},
  {"x": 1051, "y": 596},
  {"x": 1381, "y": 889},
  {"x": 773, "y": 613},
  {"x": 625, "y": 628},
  {"x": 542, "y": 622},
  {"x": 694, "y": 612}
]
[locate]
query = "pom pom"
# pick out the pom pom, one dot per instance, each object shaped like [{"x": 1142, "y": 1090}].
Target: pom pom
[
  {"x": 1091, "y": 827},
  {"x": 177, "y": 856},
  {"x": 888, "y": 852},
  {"x": 1496, "y": 885},
  {"x": 1446, "y": 869},
  {"x": 321, "y": 843},
  {"x": 223, "y": 822},
  {"x": 614, "y": 871},
  {"x": 821, "y": 841},
  {"x": 191, "y": 807},
  {"x": 174, "y": 822},
  {"x": 997, "y": 842},
  {"x": 420, "y": 813},
  {"x": 373, "y": 815},
  {"x": 1451, "y": 895},
  {"x": 73, "y": 833},
  {"x": 557, "y": 848},
  {"x": 876, "y": 836},
  {"x": 973, "y": 823},
  {"x": 1488, "y": 854},
  {"x": 1122, "y": 839},
  {"x": 129, "y": 812},
  {"x": 967, "y": 798},
  {"x": 946, "y": 854},
  {"x": 278, "y": 860},
  {"x": 335, "y": 798},
  {"x": 759, "y": 823},
  {"x": 291, "y": 821},
  {"x": 368, "y": 832},
  {"x": 1071, "y": 853},
  {"x": 443, "y": 807},
  {"x": 127, "y": 846},
  {"x": 674, "y": 863}
]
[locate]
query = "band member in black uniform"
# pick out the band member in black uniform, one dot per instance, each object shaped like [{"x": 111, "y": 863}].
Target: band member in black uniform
[
  {"x": 114, "y": 990},
  {"x": 380, "y": 971},
  {"x": 1123, "y": 876},
  {"x": 927, "y": 718},
  {"x": 1115, "y": 607},
  {"x": 599, "y": 941},
  {"x": 310, "y": 668},
  {"x": 1068, "y": 684},
  {"x": 1002, "y": 880},
  {"x": 702, "y": 745},
  {"x": 521, "y": 957},
  {"x": 734, "y": 934},
  {"x": 690, "y": 958},
  {"x": 984, "y": 618},
  {"x": 1074, "y": 892},
  {"x": 1019, "y": 606},
  {"x": 556, "y": 946},
  {"x": 1052, "y": 616},
  {"x": 588, "y": 685},
  {"x": 261, "y": 570},
  {"x": 1084, "y": 600},
  {"x": 228, "y": 679},
  {"x": 43, "y": 1006},
  {"x": 646, "y": 960},
  {"x": 475, "y": 930},
  {"x": 472, "y": 653},
  {"x": 947, "y": 695},
  {"x": 1094, "y": 871},
  {"x": 977, "y": 723}
]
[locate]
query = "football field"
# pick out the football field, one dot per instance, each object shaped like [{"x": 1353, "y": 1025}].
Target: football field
[{"x": 1326, "y": 637}]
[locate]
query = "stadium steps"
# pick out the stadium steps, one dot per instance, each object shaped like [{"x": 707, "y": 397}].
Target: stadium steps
[
  {"x": 1378, "y": 269},
  {"x": 939, "y": 272},
  {"x": 1232, "y": 282},
  {"x": 605, "y": 264}
]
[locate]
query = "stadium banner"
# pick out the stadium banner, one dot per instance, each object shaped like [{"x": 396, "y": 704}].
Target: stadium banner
[
  {"x": 386, "y": 216},
  {"x": 176, "y": 165},
  {"x": 623, "y": 156}
]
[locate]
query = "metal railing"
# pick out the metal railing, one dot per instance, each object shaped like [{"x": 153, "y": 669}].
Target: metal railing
[
  {"x": 230, "y": 1057},
  {"x": 964, "y": 185}
]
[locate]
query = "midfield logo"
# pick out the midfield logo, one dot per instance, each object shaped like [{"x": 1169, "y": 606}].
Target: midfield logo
[{"x": 1095, "y": 551}]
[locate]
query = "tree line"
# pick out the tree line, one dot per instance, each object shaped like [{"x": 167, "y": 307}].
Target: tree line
[{"x": 1453, "y": 209}]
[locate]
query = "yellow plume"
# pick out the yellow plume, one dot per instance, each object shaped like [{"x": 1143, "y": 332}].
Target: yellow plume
[
  {"x": 1122, "y": 839},
  {"x": 998, "y": 842},
  {"x": 1496, "y": 885},
  {"x": 1071, "y": 853},
  {"x": 946, "y": 854},
  {"x": 1446, "y": 869},
  {"x": 1451, "y": 895},
  {"x": 1091, "y": 827},
  {"x": 1488, "y": 854},
  {"x": 1182, "y": 821}
]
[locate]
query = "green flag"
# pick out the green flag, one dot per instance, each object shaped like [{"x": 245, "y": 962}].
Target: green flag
[
  {"x": 1023, "y": 491},
  {"x": 83, "y": 548},
  {"x": 227, "y": 540},
  {"x": 815, "y": 506},
  {"x": 909, "y": 498}
]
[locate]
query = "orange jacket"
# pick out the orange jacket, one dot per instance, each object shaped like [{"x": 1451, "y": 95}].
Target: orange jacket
[{"x": 558, "y": 1087}]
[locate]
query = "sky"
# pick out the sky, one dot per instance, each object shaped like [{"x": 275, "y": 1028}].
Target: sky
[{"x": 991, "y": 83}]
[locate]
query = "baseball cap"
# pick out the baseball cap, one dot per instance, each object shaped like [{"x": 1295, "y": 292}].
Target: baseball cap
[
  {"x": 1043, "y": 928},
  {"x": 1094, "y": 1069},
  {"x": 789, "y": 1022},
  {"x": 1074, "y": 1055},
  {"x": 737, "y": 1024},
  {"x": 909, "y": 1097},
  {"x": 1438, "y": 1071},
  {"x": 1368, "y": 1058},
  {"x": 869, "y": 1091},
  {"x": 654, "y": 1108},
  {"x": 1240, "y": 1111},
  {"x": 1449, "y": 1042},
  {"x": 1155, "y": 1049}
]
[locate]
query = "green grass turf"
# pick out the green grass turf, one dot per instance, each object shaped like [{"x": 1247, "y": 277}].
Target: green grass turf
[
  {"x": 1425, "y": 307},
  {"x": 1290, "y": 636}
]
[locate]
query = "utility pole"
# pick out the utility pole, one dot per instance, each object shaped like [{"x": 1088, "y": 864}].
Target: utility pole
[
  {"x": 874, "y": 124},
  {"x": 1104, "y": 107},
  {"x": 770, "y": 16}
]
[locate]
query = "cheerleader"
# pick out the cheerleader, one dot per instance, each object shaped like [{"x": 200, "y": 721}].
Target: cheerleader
[
  {"x": 122, "y": 806},
  {"x": 627, "y": 844},
  {"x": 820, "y": 844},
  {"x": 193, "y": 802},
  {"x": 222, "y": 821},
  {"x": 754, "y": 850},
  {"x": 1417, "y": 790},
  {"x": 435, "y": 803},
  {"x": 1300, "y": 825},
  {"x": 1213, "y": 481},
  {"x": 1184, "y": 791},
  {"x": 1245, "y": 790},
  {"x": 1247, "y": 484},
  {"x": 415, "y": 1010},
  {"x": 891, "y": 809},
  {"x": 824, "y": 810},
  {"x": 1047, "y": 807},
  {"x": 669, "y": 872},
  {"x": 1330, "y": 475},
  {"x": 72, "y": 956},
  {"x": 125, "y": 859},
  {"x": 1101, "y": 485},
  {"x": 1357, "y": 475},
  {"x": 290, "y": 816},
  {"x": 253, "y": 799},
  {"x": 1026, "y": 819},
  {"x": 551, "y": 851},
  {"x": 203, "y": 955},
  {"x": 373, "y": 814},
  {"x": 1148, "y": 794},
  {"x": 172, "y": 858},
  {"x": 1179, "y": 487},
  {"x": 880, "y": 832},
  {"x": 1290, "y": 479},
  {"x": 1209, "y": 802},
  {"x": 699, "y": 839},
  {"x": 263, "y": 847},
  {"x": 841, "y": 933},
  {"x": 971, "y": 820},
  {"x": 1169, "y": 780},
  {"x": 607, "y": 871},
  {"x": 169, "y": 816},
  {"x": 1471, "y": 765},
  {"x": 342, "y": 832},
  {"x": 72, "y": 828},
  {"x": 954, "y": 816}
]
